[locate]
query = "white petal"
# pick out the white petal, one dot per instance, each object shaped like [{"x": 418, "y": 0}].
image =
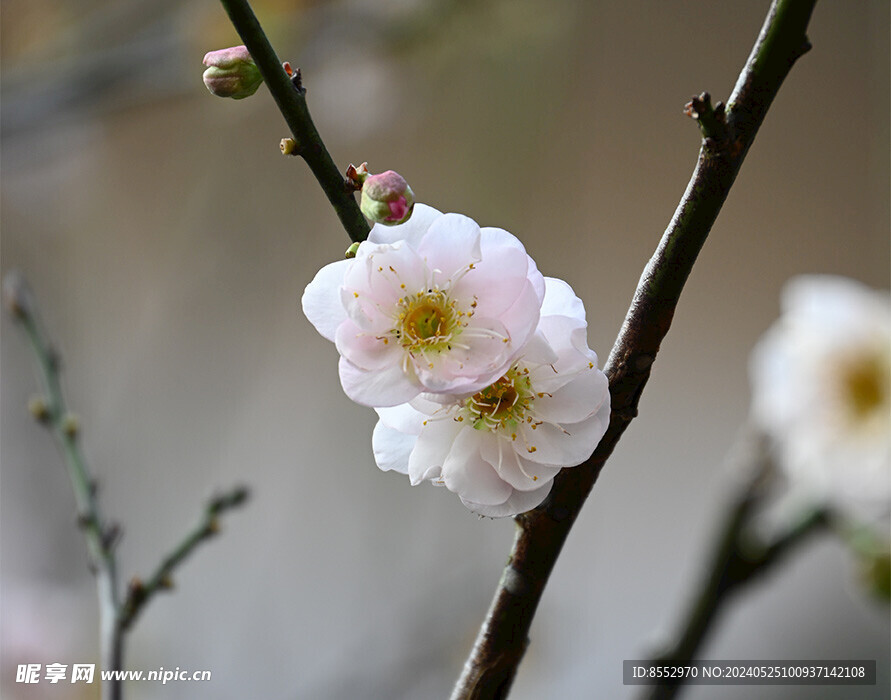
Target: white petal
[
  {"x": 412, "y": 231},
  {"x": 519, "y": 502},
  {"x": 519, "y": 473},
  {"x": 496, "y": 281},
  {"x": 364, "y": 350},
  {"x": 466, "y": 473},
  {"x": 432, "y": 449},
  {"x": 555, "y": 447},
  {"x": 493, "y": 238},
  {"x": 321, "y": 298},
  {"x": 387, "y": 386},
  {"x": 391, "y": 448},
  {"x": 560, "y": 300},
  {"x": 522, "y": 318},
  {"x": 449, "y": 246},
  {"x": 404, "y": 418},
  {"x": 576, "y": 400}
]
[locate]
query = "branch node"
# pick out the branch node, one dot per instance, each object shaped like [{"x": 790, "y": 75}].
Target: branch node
[
  {"x": 712, "y": 122},
  {"x": 289, "y": 147},
  {"x": 39, "y": 409},
  {"x": 296, "y": 77}
]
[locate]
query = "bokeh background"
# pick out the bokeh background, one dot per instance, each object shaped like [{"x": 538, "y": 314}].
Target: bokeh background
[{"x": 168, "y": 242}]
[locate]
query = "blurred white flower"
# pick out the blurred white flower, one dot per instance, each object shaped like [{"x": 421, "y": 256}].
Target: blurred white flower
[
  {"x": 500, "y": 449},
  {"x": 821, "y": 382},
  {"x": 432, "y": 305}
]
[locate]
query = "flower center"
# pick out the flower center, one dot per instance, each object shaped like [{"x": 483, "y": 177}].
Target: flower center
[
  {"x": 865, "y": 386},
  {"x": 427, "y": 321},
  {"x": 503, "y": 404}
]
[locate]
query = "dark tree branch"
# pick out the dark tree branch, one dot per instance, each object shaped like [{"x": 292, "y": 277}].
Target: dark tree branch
[
  {"x": 502, "y": 640},
  {"x": 290, "y": 96}
]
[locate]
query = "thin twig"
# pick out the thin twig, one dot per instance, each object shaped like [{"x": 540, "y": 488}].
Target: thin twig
[
  {"x": 503, "y": 637},
  {"x": 139, "y": 592},
  {"x": 290, "y": 96},
  {"x": 115, "y": 617},
  {"x": 99, "y": 535},
  {"x": 738, "y": 558}
]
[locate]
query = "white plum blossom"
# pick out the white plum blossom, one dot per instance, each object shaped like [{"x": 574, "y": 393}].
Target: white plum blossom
[
  {"x": 436, "y": 304},
  {"x": 501, "y": 448},
  {"x": 821, "y": 381}
]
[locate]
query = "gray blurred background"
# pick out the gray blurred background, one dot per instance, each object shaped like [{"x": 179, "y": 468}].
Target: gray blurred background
[{"x": 169, "y": 242}]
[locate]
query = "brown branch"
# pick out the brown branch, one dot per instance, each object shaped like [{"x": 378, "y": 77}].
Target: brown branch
[{"x": 502, "y": 640}]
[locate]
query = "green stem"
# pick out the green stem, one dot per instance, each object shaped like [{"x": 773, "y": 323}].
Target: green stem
[
  {"x": 100, "y": 538},
  {"x": 492, "y": 665},
  {"x": 291, "y": 101},
  {"x": 141, "y": 592}
]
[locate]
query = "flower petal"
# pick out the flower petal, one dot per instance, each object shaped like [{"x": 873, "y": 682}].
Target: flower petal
[
  {"x": 391, "y": 448},
  {"x": 519, "y": 502},
  {"x": 466, "y": 473},
  {"x": 411, "y": 231},
  {"x": 566, "y": 445},
  {"x": 432, "y": 449},
  {"x": 321, "y": 298},
  {"x": 576, "y": 400},
  {"x": 560, "y": 300},
  {"x": 449, "y": 246},
  {"x": 365, "y": 350},
  {"x": 495, "y": 282},
  {"x": 387, "y": 386},
  {"x": 518, "y": 472}
]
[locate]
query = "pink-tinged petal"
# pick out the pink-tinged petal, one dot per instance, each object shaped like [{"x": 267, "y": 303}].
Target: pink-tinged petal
[
  {"x": 404, "y": 418},
  {"x": 466, "y": 473},
  {"x": 522, "y": 318},
  {"x": 387, "y": 386},
  {"x": 553, "y": 446},
  {"x": 379, "y": 279},
  {"x": 495, "y": 282},
  {"x": 477, "y": 357},
  {"x": 538, "y": 352},
  {"x": 519, "y": 502},
  {"x": 521, "y": 474},
  {"x": 576, "y": 400},
  {"x": 560, "y": 300},
  {"x": 432, "y": 449},
  {"x": 391, "y": 448},
  {"x": 449, "y": 246},
  {"x": 497, "y": 237},
  {"x": 365, "y": 350},
  {"x": 321, "y": 299},
  {"x": 412, "y": 231}
]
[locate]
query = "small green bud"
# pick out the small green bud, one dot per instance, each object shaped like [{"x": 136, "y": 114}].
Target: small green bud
[
  {"x": 351, "y": 251},
  {"x": 387, "y": 199},
  {"x": 231, "y": 73}
]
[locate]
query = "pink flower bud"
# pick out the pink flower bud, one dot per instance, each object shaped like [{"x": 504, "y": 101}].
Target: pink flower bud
[
  {"x": 231, "y": 73},
  {"x": 387, "y": 199}
]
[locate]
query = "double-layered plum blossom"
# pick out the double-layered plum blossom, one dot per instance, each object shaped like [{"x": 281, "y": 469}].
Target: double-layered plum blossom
[
  {"x": 436, "y": 304},
  {"x": 500, "y": 448},
  {"x": 821, "y": 379}
]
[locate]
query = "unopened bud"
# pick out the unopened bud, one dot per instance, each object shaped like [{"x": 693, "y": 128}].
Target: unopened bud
[
  {"x": 231, "y": 73},
  {"x": 387, "y": 199},
  {"x": 70, "y": 425},
  {"x": 288, "y": 146},
  {"x": 16, "y": 294},
  {"x": 351, "y": 251},
  {"x": 37, "y": 407}
]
